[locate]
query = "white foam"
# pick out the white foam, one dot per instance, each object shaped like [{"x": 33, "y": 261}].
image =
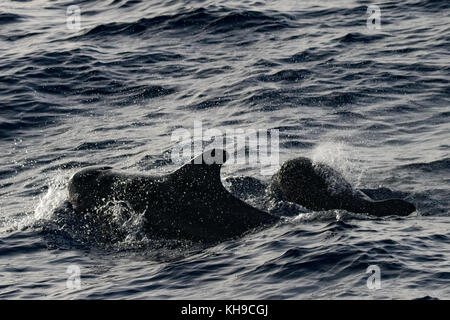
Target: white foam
[
  {"x": 55, "y": 196},
  {"x": 340, "y": 157}
]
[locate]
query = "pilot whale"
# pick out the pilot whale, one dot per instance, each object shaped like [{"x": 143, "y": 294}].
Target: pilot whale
[
  {"x": 190, "y": 203},
  {"x": 319, "y": 187}
]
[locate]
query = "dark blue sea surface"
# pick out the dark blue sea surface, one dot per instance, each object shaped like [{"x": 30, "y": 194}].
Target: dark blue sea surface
[{"x": 373, "y": 104}]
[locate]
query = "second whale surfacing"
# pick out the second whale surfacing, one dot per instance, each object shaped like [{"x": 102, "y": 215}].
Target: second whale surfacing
[
  {"x": 190, "y": 203},
  {"x": 319, "y": 187}
]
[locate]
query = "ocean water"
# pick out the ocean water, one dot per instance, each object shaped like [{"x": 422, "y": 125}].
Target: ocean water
[{"x": 372, "y": 103}]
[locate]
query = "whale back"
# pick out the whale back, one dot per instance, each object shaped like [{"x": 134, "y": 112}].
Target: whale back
[
  {"x": 190, "y": 203},
  {"x": 316, "y": 187},
  {"x": 320, "y": 187}
]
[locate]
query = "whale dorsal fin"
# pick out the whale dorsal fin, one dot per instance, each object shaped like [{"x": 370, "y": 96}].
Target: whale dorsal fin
[
  {"x": 211, "y": 157},
  {"x": 203, "y": 169}
]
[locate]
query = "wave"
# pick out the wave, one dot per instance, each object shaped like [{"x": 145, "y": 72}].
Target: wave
[
  {"x": 433, "y": 166},
  {"x": 197, "y": 20},
  {"x": 6, "y": 18},
  {"x": 288, "y": 75},
  {"x": 358, "y": 37}
]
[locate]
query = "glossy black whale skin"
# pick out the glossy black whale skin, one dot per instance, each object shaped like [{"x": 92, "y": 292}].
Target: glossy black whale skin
[
  {"x": 190, "y": 203},
  {"x": 319, "y": 187}
]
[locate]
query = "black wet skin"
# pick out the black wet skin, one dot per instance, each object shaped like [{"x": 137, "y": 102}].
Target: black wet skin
[
  {"x": 302, "y": 182},
  {"x": 190, "y": 203}
]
